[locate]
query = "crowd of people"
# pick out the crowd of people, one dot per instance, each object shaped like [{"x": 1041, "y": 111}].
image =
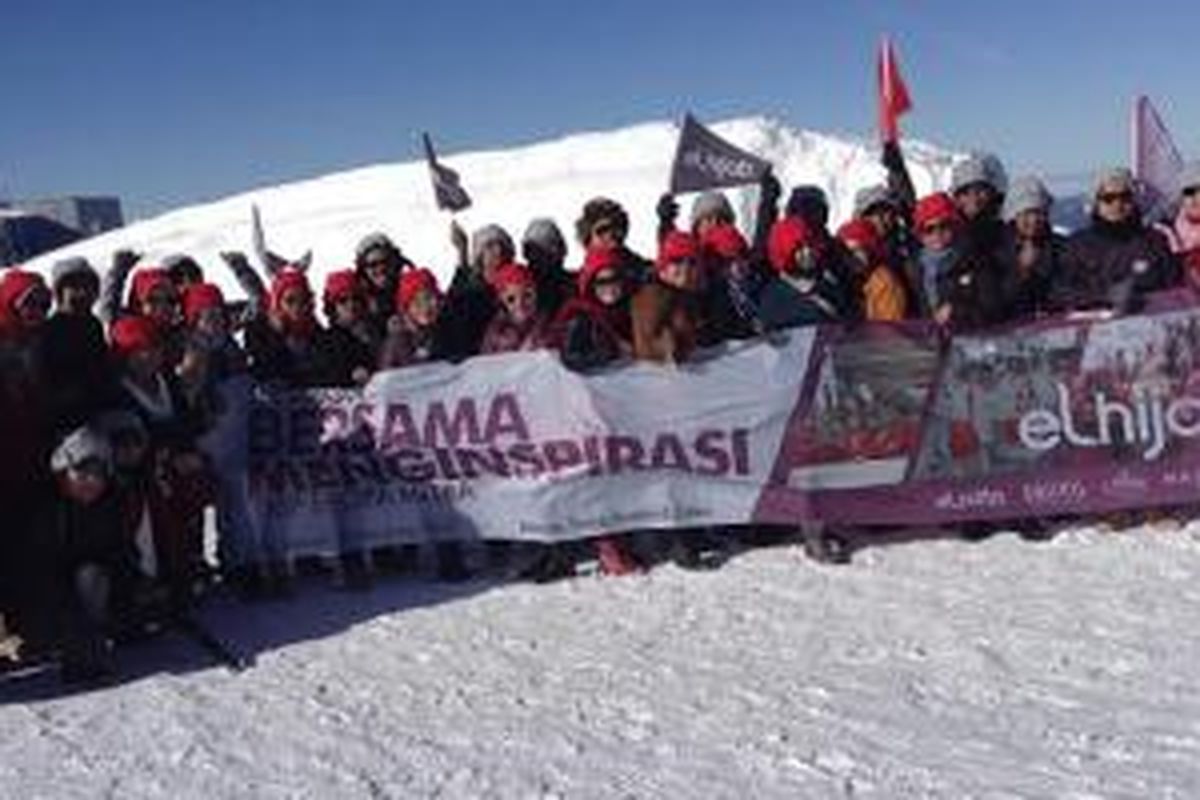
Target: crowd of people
[{"x": 108, "y": 382}]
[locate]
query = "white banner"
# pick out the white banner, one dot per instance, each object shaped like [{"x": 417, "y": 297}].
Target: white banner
[{"x": 517, "y": 447}]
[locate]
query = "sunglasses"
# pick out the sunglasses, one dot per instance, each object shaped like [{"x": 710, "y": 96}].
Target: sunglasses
[
  {"x": 375, "y": 263},
  {"x": 89, "y": 469},
  {"x": 607, "y": 280},
  {"x": 161, "y": 301},
  {"x": 1191, "y": 191},
  {"x": 512, "y": 298},
  {"x": 606, "y": 229},
  {"x": 1115, "y": 197},
  {"x": 936, "y": 227}
]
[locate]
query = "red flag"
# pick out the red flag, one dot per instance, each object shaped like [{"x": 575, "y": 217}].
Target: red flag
[{"x": 893, "y": 94}]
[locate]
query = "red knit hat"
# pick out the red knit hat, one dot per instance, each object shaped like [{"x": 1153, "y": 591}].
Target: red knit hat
[
  {"x": 132, "y": 334},
  {"x": 676, "y": 246},
  {"x": 512, "y": 274},
  {"x": 724, "y": 241},
  {"x": 787, "y": 236},
  {"x": 14, "y": 286},
  {"x": 341, "y": 284},
  {"x": 201, "y": 297},
  {"x": 412, "y": 282},
  {"x": 597, "y": 260},
  {"x": 285, "y": 281},
  {"x": 860, "y": 233},
  {"x": 145, "y": 281},
  {"x": 935, "y": 207}
]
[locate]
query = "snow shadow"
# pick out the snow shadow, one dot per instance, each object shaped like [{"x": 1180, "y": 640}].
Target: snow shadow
[{"x": 315, "y": 611}]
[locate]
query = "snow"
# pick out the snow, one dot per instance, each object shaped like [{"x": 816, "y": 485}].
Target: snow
[
  {"x": 330, "y": 214},
  {"x": 929, "y": 667}
]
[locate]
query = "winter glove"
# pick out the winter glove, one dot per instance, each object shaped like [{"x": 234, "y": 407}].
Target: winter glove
[
  {"x": 124, "y": 260},
  {"x": 769, "y": 189},
  {"x": 667, "y": 211}
]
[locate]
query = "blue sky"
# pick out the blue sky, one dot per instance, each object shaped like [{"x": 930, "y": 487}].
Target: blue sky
[{"x": 166, "y": 103}]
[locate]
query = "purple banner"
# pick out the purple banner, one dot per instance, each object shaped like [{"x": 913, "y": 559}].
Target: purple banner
[{"x": 1056, "y": 418}]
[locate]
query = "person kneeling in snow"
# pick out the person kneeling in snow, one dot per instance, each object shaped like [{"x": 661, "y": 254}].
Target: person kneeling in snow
[{"x": 90, "y": 562}]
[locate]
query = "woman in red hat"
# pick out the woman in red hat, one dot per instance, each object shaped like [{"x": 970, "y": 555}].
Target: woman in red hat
[
  {"x": 518, "y": 324},
  {"x": 419, "y": 330},
  {"x": 594, "y": 328},
  {"x": 181, "y": 483},
  {"x": 284, "y": 344},
  {"x": 955, "y": 284},
  {"x": 348, "y": 347},
  {"x": 882, "y": 295}
]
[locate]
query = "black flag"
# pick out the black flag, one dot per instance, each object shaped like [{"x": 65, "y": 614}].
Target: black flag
[
  {"x": 706, "y": 161},
  {"x": 447, "y": 188}
]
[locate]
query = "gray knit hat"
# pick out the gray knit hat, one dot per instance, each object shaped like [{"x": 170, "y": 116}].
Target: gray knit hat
[
  {"x": 979, "y": 168},
  {"x": 1027, "y": 193},
  {"x": 545, "y": 233},
  {"x": 1118, "y": 175},
  {"x": 490, "y": 234},
  {"x": 712, "y": 204},
  {"x": 81, "y": 445},
  {"x": 72, "y": 267},
  {"x": 1189, "y": 176},
  {"x": 372, "y": 241},
  {"x": 871, "y": 196}
]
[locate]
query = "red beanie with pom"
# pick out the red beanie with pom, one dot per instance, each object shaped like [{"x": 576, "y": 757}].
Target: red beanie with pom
[
  {"x": 201, "y": 297},
  {"x": 860, "y": 233},
  {"x": 724, "y": 241},
  {"x": 413, "y": 282},
  {"x": 146, "y": 281},
  {"x": 285, "y": 281},
  {"x": 14, "y": 286},
  {"x": 677, "y": 246},
  {"x": 341, "y": 284},
  {"x": 787, "y": 236},
  {"x": 938, "y": 207},
  {"x": 133, "y": 334},
  {"x": 597, "y": 260},
  {"x": 512, "y": 274}
]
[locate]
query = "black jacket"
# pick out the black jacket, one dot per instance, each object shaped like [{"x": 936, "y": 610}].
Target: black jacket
[
  {"x": 341, "y": 352},
  {"x": 1114, "y": 266},
  {"x": 74, "y": 363},
  {"x": 273, "y": 361},
  {"x": 1027, "y": 292}
]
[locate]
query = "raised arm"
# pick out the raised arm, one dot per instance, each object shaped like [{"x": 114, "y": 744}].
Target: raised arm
[{"x": 112, "y": 285}]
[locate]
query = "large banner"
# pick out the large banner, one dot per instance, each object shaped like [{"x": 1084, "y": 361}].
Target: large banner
[
  {"x": 875, "y": 424},
  {"x": 517, "y": 447}
]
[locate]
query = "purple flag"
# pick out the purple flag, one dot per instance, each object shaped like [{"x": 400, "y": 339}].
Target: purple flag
[
  {"x": 704, "y": 160},
  {"x": 447, "y": 188},
  {"x": 1156, "y": 160}
]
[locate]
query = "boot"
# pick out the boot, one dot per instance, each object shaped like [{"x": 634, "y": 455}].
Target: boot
[{"x": 615, "y": 557}]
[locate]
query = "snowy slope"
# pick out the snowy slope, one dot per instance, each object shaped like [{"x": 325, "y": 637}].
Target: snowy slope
[
  {"x": 926, "y": 669},
  {"x": 631, "y": 165}
]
